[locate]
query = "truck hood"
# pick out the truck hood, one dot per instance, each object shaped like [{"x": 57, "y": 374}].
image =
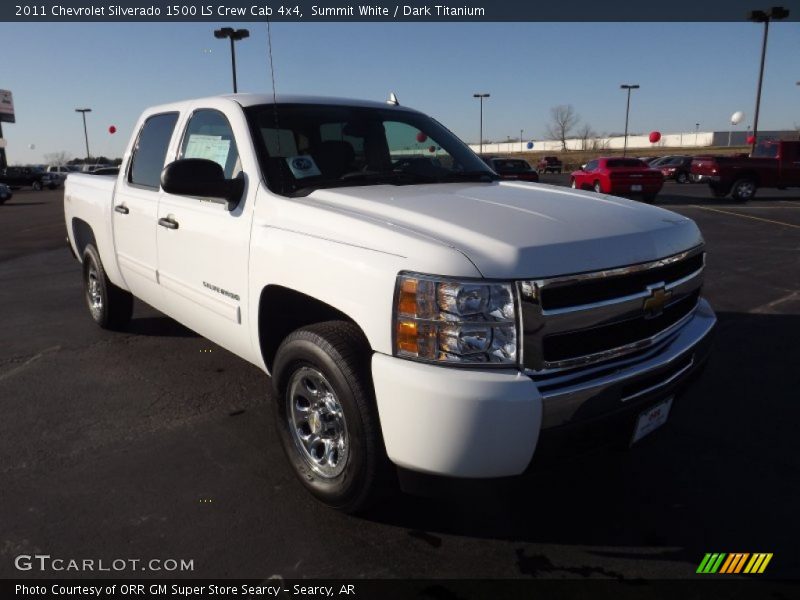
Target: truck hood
[{"x": 523, "y": 230}]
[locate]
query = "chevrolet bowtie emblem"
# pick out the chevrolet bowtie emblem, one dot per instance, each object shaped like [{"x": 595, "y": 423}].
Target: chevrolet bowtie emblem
[{"x": 655, "y": 302}]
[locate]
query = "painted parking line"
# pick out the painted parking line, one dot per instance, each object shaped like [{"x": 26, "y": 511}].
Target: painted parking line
[{"x": 727, "y": 212}]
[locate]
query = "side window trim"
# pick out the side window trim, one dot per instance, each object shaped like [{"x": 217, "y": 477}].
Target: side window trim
[{"x": 135, "y": 150}]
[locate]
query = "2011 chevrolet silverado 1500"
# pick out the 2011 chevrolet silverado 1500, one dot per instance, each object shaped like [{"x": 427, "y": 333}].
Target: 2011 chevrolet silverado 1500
[{"x": 407, "y": 304}]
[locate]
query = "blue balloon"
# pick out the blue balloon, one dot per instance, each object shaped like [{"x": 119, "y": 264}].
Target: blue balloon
[{"x": 530, "y": 145}]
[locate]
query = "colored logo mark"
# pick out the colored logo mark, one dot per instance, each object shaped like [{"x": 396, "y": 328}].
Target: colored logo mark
[{"x": 737, "y": 562}]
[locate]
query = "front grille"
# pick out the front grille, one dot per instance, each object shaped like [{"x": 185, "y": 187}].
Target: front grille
[
  {"x": 580, "y": 320},
  {"x": 563, "y": 346},
  {"x": 592, "y": 290}
]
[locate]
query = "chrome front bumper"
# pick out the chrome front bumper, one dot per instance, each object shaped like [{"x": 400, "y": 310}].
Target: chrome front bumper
[{"x": 613, "y": 387}]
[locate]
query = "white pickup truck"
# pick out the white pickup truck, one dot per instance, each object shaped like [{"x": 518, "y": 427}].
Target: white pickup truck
[{"x": 407, "y": 304}]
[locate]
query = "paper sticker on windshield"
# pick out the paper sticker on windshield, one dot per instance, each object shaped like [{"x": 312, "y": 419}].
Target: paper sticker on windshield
[{"x": 302, "y": 166}]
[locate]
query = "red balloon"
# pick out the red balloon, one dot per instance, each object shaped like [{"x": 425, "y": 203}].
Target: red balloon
[
  {"x": 432, "y": 149},
  {"x": 655, "y": 136},
  {"x": 751, "y": 139},
  {"x": 421, "y": 137},
  {"x": 112, "y": 129}
]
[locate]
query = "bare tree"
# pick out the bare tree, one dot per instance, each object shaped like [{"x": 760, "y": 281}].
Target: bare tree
[
  {"x": 57, "y": 158},
  {"x": 586, "y": 133},
  {"x": 563, "y": 119}
]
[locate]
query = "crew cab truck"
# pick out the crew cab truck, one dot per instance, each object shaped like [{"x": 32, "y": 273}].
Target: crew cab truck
[
  {"x": 772, "y": 164},
  {"x": 411, "y": 309}
]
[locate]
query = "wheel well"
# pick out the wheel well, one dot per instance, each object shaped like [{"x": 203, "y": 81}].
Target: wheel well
[
  {"x": 83, "y": 235},
  {"x": 747, "y": 175},
  {"x": 283, "y": 310}
]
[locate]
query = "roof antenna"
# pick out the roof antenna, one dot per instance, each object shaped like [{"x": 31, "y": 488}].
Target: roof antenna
[
  {"x": 274, "y": 100},
  {"x": 393, "y": 99}
]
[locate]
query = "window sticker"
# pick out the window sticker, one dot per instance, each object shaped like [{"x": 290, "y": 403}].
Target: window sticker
[
  {"x": 211, "y": 147},
  {"x": 302, "y": 166}
]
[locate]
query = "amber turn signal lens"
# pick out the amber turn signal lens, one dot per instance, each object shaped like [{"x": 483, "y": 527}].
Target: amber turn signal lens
[
  {"x": 407, "y": 302},
  {"x": 407, "y": 336}
]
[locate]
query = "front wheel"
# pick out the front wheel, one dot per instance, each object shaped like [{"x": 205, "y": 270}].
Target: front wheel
[
  {"x": 597, "y": 187},
  {"x": 110, "y": 307},
  {"x": 572, "y": 184},
  {"x": 744, "y": 190},
  {"x": 682, "y": 178},
  {"x": 37, "y": 185},
  {"x": 326, "y": 415}
]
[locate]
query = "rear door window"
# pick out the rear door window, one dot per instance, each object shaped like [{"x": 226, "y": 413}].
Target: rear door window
[{"x": 151, "y": 150}]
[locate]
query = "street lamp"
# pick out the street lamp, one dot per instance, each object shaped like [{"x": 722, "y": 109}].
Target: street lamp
[
  {"x": 776, "y": 13},
  {"x": 696, "y": 130},
  {"x": 520, "y": 136},
  {"x": 83, "y": 112},
  {"x": 235, "y": 35},
  {"x": 481, "y": 97},
  {"x": 628, "y": 87}
]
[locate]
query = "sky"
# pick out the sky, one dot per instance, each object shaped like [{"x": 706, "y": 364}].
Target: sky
[{"x": 688, "y": 72}]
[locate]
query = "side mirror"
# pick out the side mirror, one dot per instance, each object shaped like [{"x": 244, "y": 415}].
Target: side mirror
[
  {"x": 583, "y": 167},
  {"x": 202, "y": 178}
]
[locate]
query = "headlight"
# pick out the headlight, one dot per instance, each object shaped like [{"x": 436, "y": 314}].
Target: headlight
[{"x": 450, "y": 321}]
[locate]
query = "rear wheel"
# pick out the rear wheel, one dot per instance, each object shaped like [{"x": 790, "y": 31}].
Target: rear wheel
[
  {"x": 744, "y": 190},
  {"x": 597, "y": 187},
  {"x": 37, "y": 185},
  {"x": 682, "y": 178},
  {"x": 110, "y": 307},
  {"x": 326, "y": 415},
  {"x": 572, "y": 184}
]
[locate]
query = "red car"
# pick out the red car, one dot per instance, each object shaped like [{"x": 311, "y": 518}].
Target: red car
[{"x": 619, "y": 176}]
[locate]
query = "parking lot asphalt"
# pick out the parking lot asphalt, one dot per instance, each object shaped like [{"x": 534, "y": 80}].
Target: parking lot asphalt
[{"x": 155, "y": 443}]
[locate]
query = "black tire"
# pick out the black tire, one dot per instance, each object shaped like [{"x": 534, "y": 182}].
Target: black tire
[
  {"x": 682, "y": 177},
  {"x": 573, "y": 184},
  {"x": 649, "y": 198},
  {"x": 744, "y": 189},
  {"x": 37, "y": 186},
  {"x": 597, "y": 187},
  {"x": 338, "y": 352},
  {"x": 109, "y": 306}
]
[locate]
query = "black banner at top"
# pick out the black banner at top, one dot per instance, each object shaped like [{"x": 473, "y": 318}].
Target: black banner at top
[{"x": 389, "y": 11}]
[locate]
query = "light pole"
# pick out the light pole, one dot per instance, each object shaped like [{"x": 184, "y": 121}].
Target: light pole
[
  {"x": 83, "y": 112},
  {"x": 521, "y": 130},
  {"x": 628, "y": 87},
  {"x": 696, "y": 130},
  {"x": 481, "y": 97},
  {"x": 776, "y": 13},
  {"x": 235, "y": 35}
]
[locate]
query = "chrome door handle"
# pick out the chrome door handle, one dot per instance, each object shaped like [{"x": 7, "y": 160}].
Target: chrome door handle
[
  {"x": 168, "y": 223},
  {"x": 123, "y": 210}
]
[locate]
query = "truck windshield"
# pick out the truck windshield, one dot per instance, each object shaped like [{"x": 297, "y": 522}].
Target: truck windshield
[{"x": 305, "y": 147}]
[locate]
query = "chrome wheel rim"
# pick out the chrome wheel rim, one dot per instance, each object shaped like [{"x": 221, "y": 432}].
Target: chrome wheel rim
[
  {"x": 316, "y": 422},
  {"x": 597, "y": 188},
  {"x": 573, "y": 185},
  {"x": 93, "y": 295}
]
